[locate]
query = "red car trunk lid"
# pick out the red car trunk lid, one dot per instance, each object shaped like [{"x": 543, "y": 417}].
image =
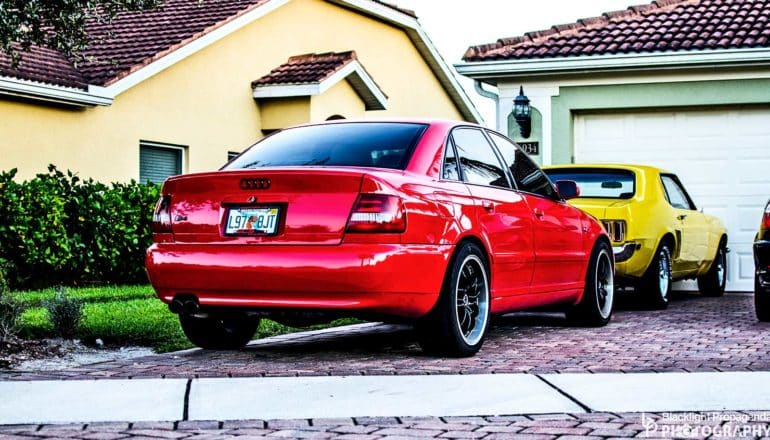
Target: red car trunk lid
[{"x": 308, "y": 206}]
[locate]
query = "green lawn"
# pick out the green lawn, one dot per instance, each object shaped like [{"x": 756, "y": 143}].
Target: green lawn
[{"x": 124, "y": 315}]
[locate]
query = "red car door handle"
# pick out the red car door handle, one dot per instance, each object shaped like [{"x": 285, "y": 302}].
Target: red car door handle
[
  {"x": 539, "y": 214},
  {"x": 486, "y": 204}
]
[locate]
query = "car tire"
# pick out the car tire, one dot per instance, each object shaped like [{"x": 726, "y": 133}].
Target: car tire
[
  {"x": 713, "y": 282},
  {"x": 458, "y": 323},
  {"x": 595, "y": 307},
  {"x": 656, "y": 282},
  {"x": 223, "y": 331},
  {"x": 761, "y": 301}
]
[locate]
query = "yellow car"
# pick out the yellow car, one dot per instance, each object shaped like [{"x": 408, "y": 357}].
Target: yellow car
[{"x": 657, "y": 233}]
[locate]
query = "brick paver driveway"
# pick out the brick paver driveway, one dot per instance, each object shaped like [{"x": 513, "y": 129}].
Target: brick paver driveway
[
  {"x": 595, "y": 426},
  {"x": 694, "y": 334}
]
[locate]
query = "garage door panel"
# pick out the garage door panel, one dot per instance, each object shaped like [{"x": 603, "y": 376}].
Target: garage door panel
[
  {"x": 720, "y": 155},
  {"x": 650, "y": 127},
  {"x": 746, "y": 264},
  {"x": 754, "y": 147},
  {"x": 702, "y": 125},
  {"x": 749, "y": 122},
  {"x": 608, "y": 129},
  {"x": 754, "y": 170}
]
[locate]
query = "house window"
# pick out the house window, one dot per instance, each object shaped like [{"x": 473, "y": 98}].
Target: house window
[{"x": 159, "y": 161}]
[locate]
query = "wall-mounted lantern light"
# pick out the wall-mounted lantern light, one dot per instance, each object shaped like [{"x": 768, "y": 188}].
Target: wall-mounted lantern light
[{"x": 522, "y": 112}]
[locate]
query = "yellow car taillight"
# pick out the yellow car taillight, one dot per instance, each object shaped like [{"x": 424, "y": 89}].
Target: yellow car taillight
[{"x": 616, "y": 229}]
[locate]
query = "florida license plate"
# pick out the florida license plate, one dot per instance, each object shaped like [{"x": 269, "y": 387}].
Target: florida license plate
[{"x": 248, "y": 221}]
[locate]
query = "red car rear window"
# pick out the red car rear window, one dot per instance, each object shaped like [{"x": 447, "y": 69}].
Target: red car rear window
[{"x": 360, "y": 144}]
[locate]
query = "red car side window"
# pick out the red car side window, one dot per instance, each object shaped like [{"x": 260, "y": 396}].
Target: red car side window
[
  {"x": 478, "y": 160},
  {"x": 526, "y": 174},
  {"x": 450, "y": 171}
]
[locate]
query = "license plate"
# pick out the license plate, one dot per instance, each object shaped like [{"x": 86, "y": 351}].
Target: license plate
[{"x": 249, "y": 221}]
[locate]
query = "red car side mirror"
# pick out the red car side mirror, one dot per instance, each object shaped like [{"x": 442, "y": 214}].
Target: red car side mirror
[{"x": 567, "y": 189}]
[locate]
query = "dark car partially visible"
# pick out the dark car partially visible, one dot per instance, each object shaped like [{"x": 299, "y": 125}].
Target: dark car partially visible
[{"x": 762, "y": 263}]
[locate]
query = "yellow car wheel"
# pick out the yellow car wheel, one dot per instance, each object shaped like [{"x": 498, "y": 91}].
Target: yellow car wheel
[
  {"x": 656, "y": 282},
  {"x": 714, "y": 281}
]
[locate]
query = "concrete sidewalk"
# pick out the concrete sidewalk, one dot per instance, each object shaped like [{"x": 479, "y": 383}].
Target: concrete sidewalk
[{"x": 145, "y": 400}]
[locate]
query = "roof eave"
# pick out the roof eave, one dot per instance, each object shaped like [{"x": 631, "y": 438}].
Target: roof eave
[
  {"x": 363, "y": 84},
  {"x": 657, "y": 61},
  {"x": 52, "y": 93}
]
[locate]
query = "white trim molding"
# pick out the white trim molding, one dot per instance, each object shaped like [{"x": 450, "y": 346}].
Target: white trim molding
[
  {"x": 615, "y": 63},
  {"x": 353, "y": 72},
  {"x": 52, "y": 93}
]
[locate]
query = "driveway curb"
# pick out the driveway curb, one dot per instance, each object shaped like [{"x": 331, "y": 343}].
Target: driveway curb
[{"x": 148, "y": 400}]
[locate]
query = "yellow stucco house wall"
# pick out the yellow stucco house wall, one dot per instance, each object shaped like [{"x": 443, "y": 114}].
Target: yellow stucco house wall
[{"x": 204, "y": 101}]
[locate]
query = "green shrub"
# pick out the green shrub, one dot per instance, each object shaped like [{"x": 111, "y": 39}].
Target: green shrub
[
  {"x": 59, "y": 229},
  {"x": 65, "y": 313},
  {"x": 10, "y": 312},
  {"x": 10, "y": 309}
]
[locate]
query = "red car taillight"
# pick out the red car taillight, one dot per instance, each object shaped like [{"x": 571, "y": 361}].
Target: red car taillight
[
  {"x": 377, "y": 213},
  {"x": 161, "y": 218},
  {"x": 766, "y": 219}
]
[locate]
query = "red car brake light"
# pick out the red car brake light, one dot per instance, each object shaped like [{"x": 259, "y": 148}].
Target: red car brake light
[
  {"x": 377, "y": 213},
  {"x": 161, "y": 218},
  {"x": 766, "y": 218}
]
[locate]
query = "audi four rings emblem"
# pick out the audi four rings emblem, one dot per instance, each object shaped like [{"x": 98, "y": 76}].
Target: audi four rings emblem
[{"x": 256, "y": 183}]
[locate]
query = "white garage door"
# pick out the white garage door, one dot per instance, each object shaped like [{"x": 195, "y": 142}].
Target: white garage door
[{"x": 721, "y": 156}]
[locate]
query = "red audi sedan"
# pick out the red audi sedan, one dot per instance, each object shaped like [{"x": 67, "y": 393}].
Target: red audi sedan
[{"x": 438, "y": 223}]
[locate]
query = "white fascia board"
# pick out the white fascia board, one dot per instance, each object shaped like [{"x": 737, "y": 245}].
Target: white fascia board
[
  {"x": 287, "y": 90},
  {"x": 52, "y": 93},
  {"x": 193, "y": 47},
  {"x": 370, "y": 89},
  {"x": 618, "y": 62}
]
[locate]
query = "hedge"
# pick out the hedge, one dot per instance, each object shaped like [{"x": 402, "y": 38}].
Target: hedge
[{"x": 58, "y": 229}]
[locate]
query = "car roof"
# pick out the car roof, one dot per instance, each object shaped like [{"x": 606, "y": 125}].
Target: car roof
[
  {"x": 407, "y": 120},
  {"x": 609, "y": 166}
]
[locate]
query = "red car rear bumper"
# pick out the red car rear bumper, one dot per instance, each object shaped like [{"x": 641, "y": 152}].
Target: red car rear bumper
[{"x": 392, "y": 279}]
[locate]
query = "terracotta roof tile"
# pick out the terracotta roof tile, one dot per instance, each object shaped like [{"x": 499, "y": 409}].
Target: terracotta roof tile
[
  {"x": 132, "y": 40},
  {"x": 307, "y": 69},
  {"x": 660, "y": 26},
  {"x": 44, "y": 66}
]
